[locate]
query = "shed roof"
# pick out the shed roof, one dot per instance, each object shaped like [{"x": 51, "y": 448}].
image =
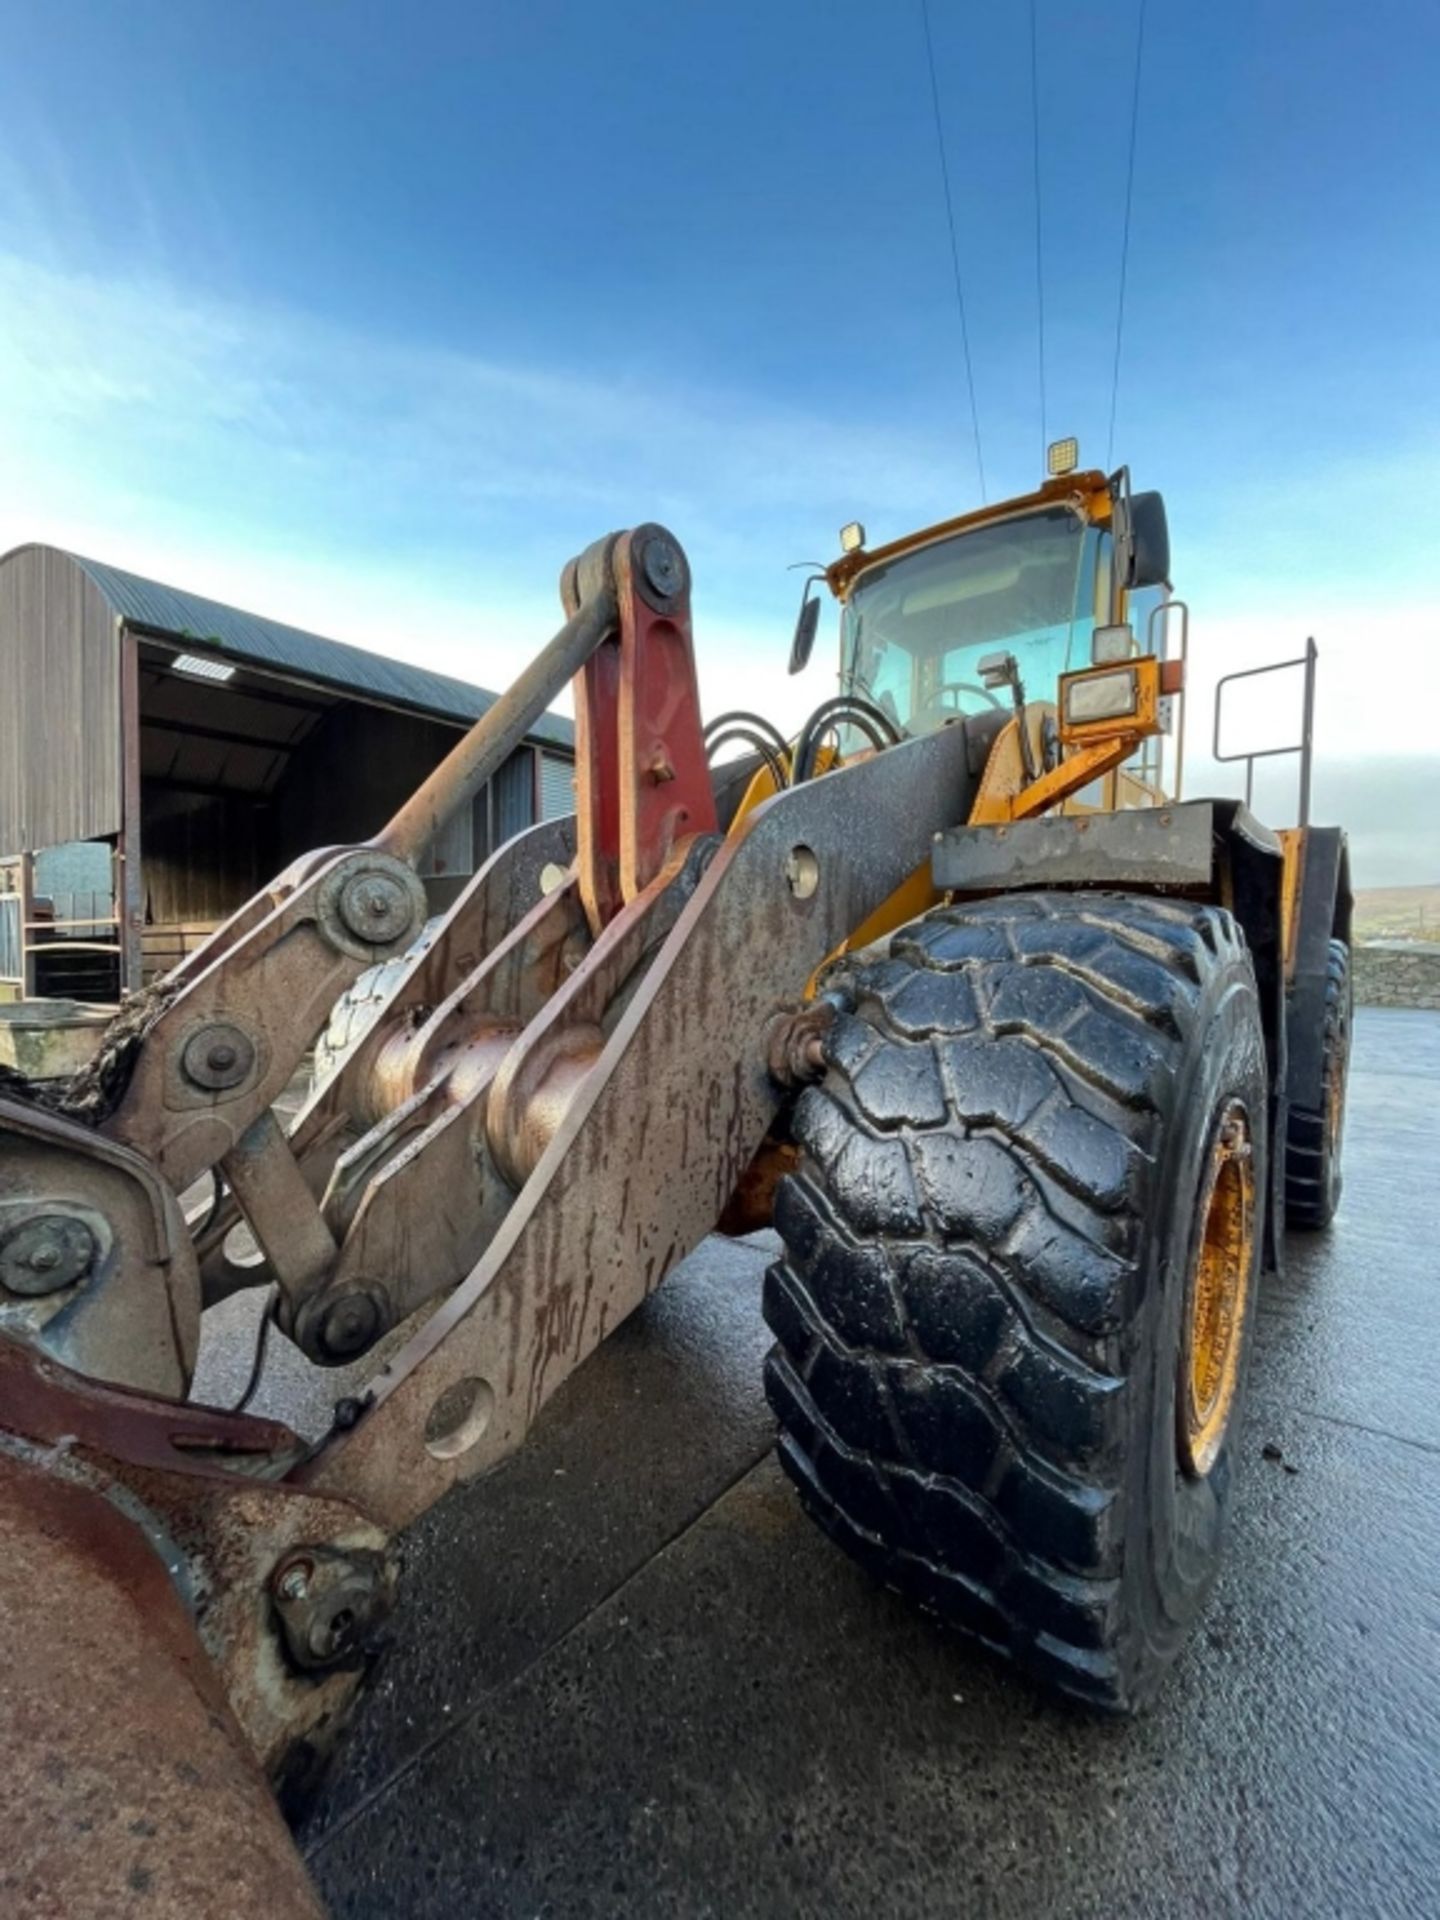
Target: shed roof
[{"x": 270, "y": 643}]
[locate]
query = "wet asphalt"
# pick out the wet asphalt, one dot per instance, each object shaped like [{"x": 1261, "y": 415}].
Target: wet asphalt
[{"x": 629, "y": 1678}]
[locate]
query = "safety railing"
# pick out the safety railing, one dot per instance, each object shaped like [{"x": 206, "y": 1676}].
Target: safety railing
[
  {"x": 75, "y": 923},
  {"x": 12, "y": 964},
  {"x": 1161, "y": 648},
  {"x": 16, "y": 872},
  {"x": 1303, "y": 746}
]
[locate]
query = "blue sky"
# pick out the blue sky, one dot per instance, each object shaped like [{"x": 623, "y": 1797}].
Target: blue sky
[{"x": 370, "y": 315}]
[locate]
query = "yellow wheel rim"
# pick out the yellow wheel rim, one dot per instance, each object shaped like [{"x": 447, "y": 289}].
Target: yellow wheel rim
[{"x": 1218, "y": 1295}]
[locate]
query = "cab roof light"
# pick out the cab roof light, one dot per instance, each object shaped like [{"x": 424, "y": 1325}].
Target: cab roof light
[
  {"x": 1111, "y": 644},
  {"x": 1062, "y": 457},
  {"x": 852, "y": 537}
]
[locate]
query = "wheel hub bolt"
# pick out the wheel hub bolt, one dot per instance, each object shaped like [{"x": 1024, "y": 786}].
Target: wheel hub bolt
[{"x": 294, "y": 1583}]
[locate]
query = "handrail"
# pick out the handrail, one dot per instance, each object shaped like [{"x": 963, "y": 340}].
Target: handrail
[
  {"x": 58, "y": 926},
  {"x": 1304, "y": 746},
  {"x": 73, "y": 946},
  {"x": 1167, "y": 607}
]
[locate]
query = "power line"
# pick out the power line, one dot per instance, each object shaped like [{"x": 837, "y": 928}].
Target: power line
[
  {"x": 1039, "y": 235},
  {"x": 954, "y": 246},
  {"x": 1125, "y": 237}
]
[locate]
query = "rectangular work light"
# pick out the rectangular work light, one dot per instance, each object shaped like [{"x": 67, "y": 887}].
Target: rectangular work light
[
  {"x": 193, "y": 663},
  {"x": 1101, "y": 696}
]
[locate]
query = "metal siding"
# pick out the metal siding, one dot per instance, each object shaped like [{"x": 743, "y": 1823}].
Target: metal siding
[
  {"x": 59, "y": 704},
  {"x": 557, "y": 786},
  {"x": 10, "y": 936},
  {"x": 204, "y": 855},
  {"x": 79, "y": 880},
  {"x": 453, "y": 848},
  {"x": 514, "y": 788}
]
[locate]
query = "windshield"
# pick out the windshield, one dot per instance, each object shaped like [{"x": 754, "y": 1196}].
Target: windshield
[{"x": 915, "y": 630}]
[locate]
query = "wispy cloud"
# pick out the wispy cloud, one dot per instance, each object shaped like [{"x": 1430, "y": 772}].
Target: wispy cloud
[
  {"x": 344, "y": 472},
  {"x": 422, "y": 500},
  {"x": 260, "y": 406}
]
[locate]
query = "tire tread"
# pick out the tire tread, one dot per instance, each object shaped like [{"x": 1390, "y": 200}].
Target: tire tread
[{"x": 957, "y": 1274}]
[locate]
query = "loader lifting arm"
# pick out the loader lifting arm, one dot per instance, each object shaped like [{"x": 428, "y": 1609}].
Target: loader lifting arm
[{"x": 560, "y": 1096}]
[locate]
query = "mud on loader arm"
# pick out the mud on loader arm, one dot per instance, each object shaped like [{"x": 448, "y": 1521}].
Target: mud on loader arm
[
  {"x": 403, "y": 1172},
  {"x": 554, "y": 1107}
]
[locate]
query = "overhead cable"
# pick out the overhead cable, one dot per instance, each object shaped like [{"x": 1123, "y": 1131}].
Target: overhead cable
[
  {"x": 1039, "y": 230},
  {"x": 954, "y": 246},
  {"x": 1125, "y": 232}
]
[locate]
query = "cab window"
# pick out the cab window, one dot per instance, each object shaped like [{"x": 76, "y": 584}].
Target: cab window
[{"x": 916, "y": 629}]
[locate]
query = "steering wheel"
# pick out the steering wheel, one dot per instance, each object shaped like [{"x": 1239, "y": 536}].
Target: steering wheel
[{"x": 937, "y": 700}]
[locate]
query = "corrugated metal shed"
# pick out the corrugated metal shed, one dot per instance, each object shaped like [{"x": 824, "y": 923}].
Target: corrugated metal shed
[
  {"x": 202, "y": 785},
  {"x": 156, "y": 608}
]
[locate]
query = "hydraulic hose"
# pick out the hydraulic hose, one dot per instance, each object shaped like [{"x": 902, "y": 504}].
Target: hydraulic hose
[
  {"x": 842, "y": 709},
  {"x": 761, "y": 745}
]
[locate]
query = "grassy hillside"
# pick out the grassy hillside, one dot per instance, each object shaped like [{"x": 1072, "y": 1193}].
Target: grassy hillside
[{"x": 1387, "y": 912}]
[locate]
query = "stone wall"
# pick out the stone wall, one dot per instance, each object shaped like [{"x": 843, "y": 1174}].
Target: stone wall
[{"x": 1397, "y": 973}]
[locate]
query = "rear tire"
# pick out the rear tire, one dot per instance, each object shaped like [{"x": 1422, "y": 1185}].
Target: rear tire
[
  {"x": 1314, "y": 1138},
  {"x": 989, "y": 1251}
]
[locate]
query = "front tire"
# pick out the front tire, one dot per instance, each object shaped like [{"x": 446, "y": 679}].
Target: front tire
[{"x": 1008, "y": 1373}]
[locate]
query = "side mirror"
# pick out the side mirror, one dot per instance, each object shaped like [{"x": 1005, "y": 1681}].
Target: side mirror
[
  {"x": 809, "y": 619},
  {"x": 1150, "y": 541},
  {"x": 998, "y": 670}
]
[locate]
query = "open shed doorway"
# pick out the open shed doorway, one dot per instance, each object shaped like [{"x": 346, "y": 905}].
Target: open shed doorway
[{"x": 241, "y": 775}]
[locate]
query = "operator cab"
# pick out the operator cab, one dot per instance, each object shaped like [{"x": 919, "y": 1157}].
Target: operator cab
[
  {"x": 1070, "y": 576},
  {"x": 915, "y": 629}
]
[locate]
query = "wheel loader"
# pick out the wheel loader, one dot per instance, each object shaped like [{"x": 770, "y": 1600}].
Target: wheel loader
[{"x": 1028, "y": 1063}]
